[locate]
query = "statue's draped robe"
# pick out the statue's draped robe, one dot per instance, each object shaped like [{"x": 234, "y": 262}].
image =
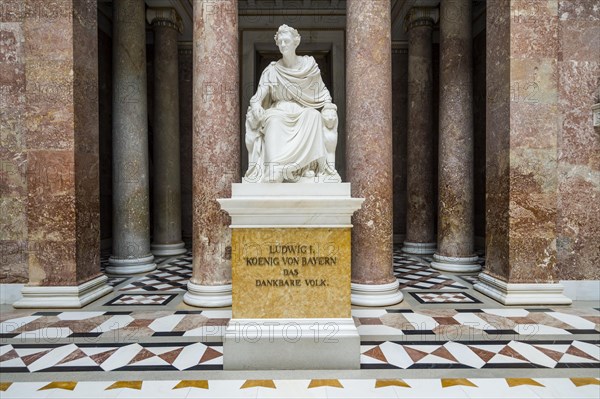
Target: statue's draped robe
[{"x": 290, "y": 135}]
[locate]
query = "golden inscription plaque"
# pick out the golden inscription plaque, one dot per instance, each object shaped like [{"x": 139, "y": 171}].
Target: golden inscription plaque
[{"x": 291, "y": 273}]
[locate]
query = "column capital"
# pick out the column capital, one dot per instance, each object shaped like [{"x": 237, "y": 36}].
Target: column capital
[
  {"x": 163, "y": 16},
  {"x": 421, "y": 16}
]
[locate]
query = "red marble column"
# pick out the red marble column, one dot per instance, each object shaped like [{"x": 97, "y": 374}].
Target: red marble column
[
  {"x": 216, "y": 144},
  {"x": 166, "y": 238},
  {"x": 369, "y": 149},
  {"x": 420, "y": 209},
  {"x": 456, "y": 252},
  {"x": 61, "y": 141},
  {"x": 522, "y": 154}
]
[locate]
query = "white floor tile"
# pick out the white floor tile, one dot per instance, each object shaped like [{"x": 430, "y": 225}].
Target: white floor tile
[
  {"x": 121, "y": 357},
  {"x": 370, "y": 360},
  {"x": 52, "y": 357},
  {"x": 505, "y": 359},
  {"x": 79, "y": 315},
  {"x": 568, "y": 358},
  {"x": 564, "y": 388},
  {"x": 229, "y": 389},
  {"x": 358, "y": 388},
  {"x": 166, "y": 323},
  {"x": 421, "y": 322},
  {"x": 93, "y": 350},
  {"x": 114, "y": 323},
  {"x": 532, "y": 354},
  {"x": 370, "y": 329},
  {"x": 83, "y": 362},
  {"x": 155, "y": 389},
  {"x": 507, "y": 312},
  {"x": 8, "y": 326},
  {"x": 590, "y": 349},
  {"x": 572, "y": 320},
  {"x": 162, "y": 349},
  {"x": 189, "y": 356},
  {"x": 17, "y": 362},
  {"x": 5, "y": 348},
  {"x": 429, "y": 388},
  {"x": 497, "y": 388},
  {"x": 25, "y": 390},
  {"x": 296, "y": 389},
  {"x": 396, "y": 355},
  {"x": 217, "y": 314},
  {"x": 206, "y": 332},
  {"x": 539, "y": 329},
  {"x": 46, "y": 335},
  {"x": 464, "y": 355},
  {"x": 473, "y": 321}
]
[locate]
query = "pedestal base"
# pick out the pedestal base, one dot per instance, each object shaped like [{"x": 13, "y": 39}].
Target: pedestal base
[
  {"x": 62, "y": 296},
  {"x": 208, "y": 296},
  {"x": 521, "y": 293},
  {"x": 419, "y": 248},
  {"x": 376, "y": 294},
  {"x": 291, "y": 344},
  {"x": 168, "y": 249},
  {"x": 130, "y": 265},
  {"x": 456, "y": 264}
]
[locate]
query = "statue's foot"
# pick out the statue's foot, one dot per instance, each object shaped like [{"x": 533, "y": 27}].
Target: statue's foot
[{"x": 309, "y": 173}]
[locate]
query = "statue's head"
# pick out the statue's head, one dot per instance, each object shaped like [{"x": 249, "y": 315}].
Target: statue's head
[
  {"x": 329, "y": 115},
  {"x": 287, "y": 38}
]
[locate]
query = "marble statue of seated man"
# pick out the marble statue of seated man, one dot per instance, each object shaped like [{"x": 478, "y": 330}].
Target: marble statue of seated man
[{"x": 291, "y": 123}]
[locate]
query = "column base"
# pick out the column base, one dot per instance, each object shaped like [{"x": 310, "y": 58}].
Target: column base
[
  {"x": 64, "y": 296},
  {"x": 456, "y": 264},
  {"x": 521, "y": 293},
  {"x": 208, "y": 296},
  {"x": 168, "y": 249},
  {"x": 419, "y": 248},
  {"x": 130, "y": 265},
  {"x": 376, "y": 294},
  {"x": 291, "y": 344}
]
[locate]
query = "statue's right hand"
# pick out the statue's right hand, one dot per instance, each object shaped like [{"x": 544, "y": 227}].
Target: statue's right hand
[{"x": 257, "y": 112}]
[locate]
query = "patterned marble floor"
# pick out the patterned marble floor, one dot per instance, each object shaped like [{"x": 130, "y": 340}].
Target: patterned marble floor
[{"x": 444, "y": 340}]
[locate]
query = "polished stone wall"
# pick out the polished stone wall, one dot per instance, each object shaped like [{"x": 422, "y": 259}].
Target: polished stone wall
[
  {"x": 522, "y": 133},
  {"x": 14, "y": 245},
  {"x": 50, "y": 141},
  {"x": 578, "y": 72}
]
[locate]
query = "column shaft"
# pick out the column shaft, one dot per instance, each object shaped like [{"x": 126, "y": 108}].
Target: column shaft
[
  {"x": 166, "y": 238},
  {"x": 420, "y": 210},
  {"x": 369, "y": 149},
  {"x": 131, "y": 221},
  {"x": 216, "y": 144},
  {"x": 455, "y": 169}
]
